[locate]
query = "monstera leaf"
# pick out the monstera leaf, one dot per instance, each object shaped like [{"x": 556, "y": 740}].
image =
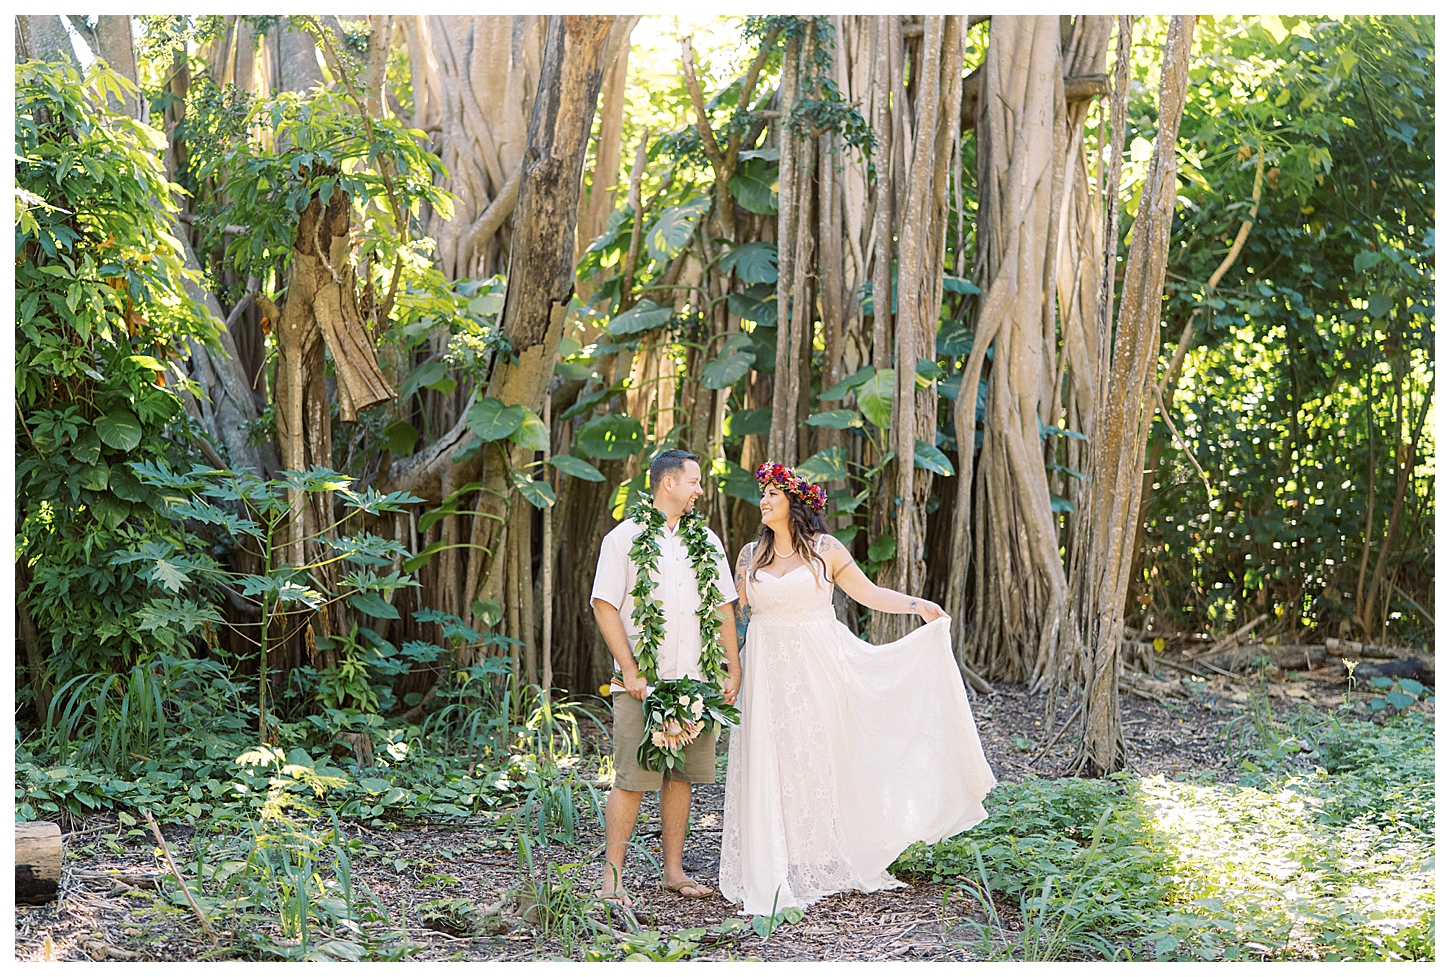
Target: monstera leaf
[
  {"x": 610, "y": 436},
  {"x": 753, "y": 262},
  {"x": 734, "y": 361}
]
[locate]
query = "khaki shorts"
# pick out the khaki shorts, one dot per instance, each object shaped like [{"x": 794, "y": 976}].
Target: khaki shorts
[{"x": 629, "y": 731}]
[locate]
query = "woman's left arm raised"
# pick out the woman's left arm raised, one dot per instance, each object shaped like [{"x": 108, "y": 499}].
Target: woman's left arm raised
[{"x": 858, "y": 587}]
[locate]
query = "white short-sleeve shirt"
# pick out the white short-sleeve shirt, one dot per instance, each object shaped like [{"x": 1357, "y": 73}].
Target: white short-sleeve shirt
[{"x": 676, "y": 590}]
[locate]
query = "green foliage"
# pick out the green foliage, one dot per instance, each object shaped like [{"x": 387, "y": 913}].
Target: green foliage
[
  {"x": 281, "y": 867},
  {"x": 101, "y": 314},
  {"x": 1314, "y": 356},
  {"x": 1328, "y": 862},
  {"x": 261, "y": 513}
]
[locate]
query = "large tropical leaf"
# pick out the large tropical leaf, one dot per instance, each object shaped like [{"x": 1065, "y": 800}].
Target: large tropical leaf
[
  {"x": 953, "y": 339},
  {"x": 119, "y": 429},
  {"x": 753, "y": 420},
  {"x": 874, "y": 397},
  {"x": 401, "y": 438},
  {"x": 756, "y": 185},
  {"x": 828, "y": 465},
  {"x": 610, "y": 436},
  {"x": 492, "y": 420},
  {"x": 735, "y": 481},
  {"x": 839, "y": 419},
  {"x": 587, "y": 402},
  {"x": 755, "y": 304},
  {"x": 373, "y": 605},
  {"x": 531, "y": 434},
  {"x": 434, "y": 375},
  {"x": 539, "y": 494},
  {"x": 643, "y": 316},
  {"x": 670, "y": 233},
  {"x": 753, "y": 262},
  {"x": 951, "y": 283},
  {"x": 930, "y": 457},
  {"x": 577, "y": 467},
  {"x": 733, "y": 363},
  {"x": 850, "y": 383}
]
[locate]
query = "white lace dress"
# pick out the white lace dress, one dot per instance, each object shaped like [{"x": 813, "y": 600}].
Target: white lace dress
[{"x": 847, "y": 752}]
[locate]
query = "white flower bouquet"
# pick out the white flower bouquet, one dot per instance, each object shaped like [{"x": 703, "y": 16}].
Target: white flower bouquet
[{"x": 675, "y": 714}]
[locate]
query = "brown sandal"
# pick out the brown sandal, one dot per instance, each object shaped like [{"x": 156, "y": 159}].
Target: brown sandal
[{"x": 703, "y": 891}]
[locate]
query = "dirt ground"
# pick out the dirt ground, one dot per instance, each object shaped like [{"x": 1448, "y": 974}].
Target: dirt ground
[{"x": 109, "y": 907}]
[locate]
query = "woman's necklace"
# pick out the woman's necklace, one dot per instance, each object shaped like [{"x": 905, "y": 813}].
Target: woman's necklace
[{"x": 783, "y": 556}]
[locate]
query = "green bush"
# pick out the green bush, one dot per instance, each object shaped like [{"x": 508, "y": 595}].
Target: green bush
[
  {"x": 102, "y": 316},
  {"x": 1333, "y": 862}
]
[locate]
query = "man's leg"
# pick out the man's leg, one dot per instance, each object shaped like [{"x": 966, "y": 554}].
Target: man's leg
[
  {"x": 674, "y": 819},
  {"x": 621, "y": 812}
]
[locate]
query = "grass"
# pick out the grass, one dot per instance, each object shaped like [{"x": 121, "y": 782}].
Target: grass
[{"x": 1323, "y": 851}]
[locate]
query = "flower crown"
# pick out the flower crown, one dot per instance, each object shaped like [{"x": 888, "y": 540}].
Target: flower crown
[{"x": 811, "y": 495}]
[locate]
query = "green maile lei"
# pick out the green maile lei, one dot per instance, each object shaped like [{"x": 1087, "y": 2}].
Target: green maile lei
[{"x": 677, "y": 706}]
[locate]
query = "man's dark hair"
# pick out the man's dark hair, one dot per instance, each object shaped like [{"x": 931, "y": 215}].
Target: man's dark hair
[{"x": 670, "y": 462}]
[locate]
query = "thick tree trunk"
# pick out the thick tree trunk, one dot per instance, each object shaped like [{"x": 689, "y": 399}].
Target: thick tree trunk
[
  {"x": 1114, "y": 494},
  {"x": 42, "y": 37},
  {"x": 792, "y": 313},
  {"x": 609, "y": 146},
  {"x": 541, "y": 258},
  {"x": 479, "y": 74},
  {"x": 227, "y": 407},
  {"x": 921, "y": 257},
  {"x": 114, "y": 46},
  {"x": 1020, "y": 583}
]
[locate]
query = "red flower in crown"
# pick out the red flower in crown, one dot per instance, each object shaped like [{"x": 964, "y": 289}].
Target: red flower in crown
[{"x": 792, "y": 484}]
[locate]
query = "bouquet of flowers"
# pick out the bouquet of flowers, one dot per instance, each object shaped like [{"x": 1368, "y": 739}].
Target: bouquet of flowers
[{"x": 675, "y": 713}]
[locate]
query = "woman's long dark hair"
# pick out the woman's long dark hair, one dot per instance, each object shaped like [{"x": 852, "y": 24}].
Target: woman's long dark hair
[{"x": 805, "y": 525}]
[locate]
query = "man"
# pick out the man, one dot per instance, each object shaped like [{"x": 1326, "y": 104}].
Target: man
[{"x": 674, "y": 478}]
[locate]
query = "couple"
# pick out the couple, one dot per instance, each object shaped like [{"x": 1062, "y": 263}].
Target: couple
[{"x": 846, "y": 752}]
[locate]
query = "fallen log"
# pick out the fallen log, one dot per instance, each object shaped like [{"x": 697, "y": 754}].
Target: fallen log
[
  {"x": 1358, "y": 649},
  {"x": 37, "y": 861},
  {"x": 1420, "y": 669},
  {"x": 1242, "y": 658}
]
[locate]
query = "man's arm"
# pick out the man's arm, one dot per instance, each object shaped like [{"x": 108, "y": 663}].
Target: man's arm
[{"x": 611, "y": 625}]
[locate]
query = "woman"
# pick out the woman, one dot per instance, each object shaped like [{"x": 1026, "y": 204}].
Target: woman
[{"x": 847, "y": 752}]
